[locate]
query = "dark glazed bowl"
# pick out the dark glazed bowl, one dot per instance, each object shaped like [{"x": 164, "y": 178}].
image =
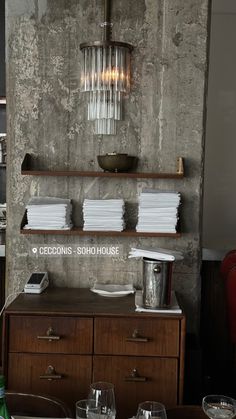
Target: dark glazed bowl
[{"x": 117, "y": 162}]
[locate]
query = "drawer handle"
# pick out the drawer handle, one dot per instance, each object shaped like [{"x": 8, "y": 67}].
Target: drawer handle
[
  {"x": 134, "y": 376},
  {"x": 50, "y": 374},
  {"x": 136, "y": 337},
  {"x": 49, "y": 335}
]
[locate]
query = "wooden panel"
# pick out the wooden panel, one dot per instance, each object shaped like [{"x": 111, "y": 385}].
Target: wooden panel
[
  {"x": 217, "y": 349},
  {"x": 76, "y": 371},
  {"x": 114, "y": 336},
  {"x": 186, "y": 412},
  {"x": 72, "y": 314},
  {"x": 29, "y": 334},
  {"x": 161, "y": 380},
  {"x": 2, "y": 297}
]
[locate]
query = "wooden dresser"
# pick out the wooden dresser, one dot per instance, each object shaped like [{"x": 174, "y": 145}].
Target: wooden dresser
[{"x": 58, "y": 342}]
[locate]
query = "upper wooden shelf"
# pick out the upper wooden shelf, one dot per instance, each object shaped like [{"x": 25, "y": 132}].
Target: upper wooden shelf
[
  {"x": 78, "y": 231},
  {"x": 3, "y": 100},
  {"x": 27, "y": 169}
]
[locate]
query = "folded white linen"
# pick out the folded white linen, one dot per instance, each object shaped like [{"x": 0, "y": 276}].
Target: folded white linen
[
  {"x": 48, "y": 200},
  {"x": 45, "y": 227},
  {"x": 156, "y": 254},
  {"x": 103, "y": 215},
  {"x": 158, "y": 211},
  {"x": 156, "y": 230},
  {"x": 47, "y": 213},
  {"x": 174, "y": 307}
]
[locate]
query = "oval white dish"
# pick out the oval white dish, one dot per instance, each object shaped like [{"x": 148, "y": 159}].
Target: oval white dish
[{"x": 112, "y": 290}]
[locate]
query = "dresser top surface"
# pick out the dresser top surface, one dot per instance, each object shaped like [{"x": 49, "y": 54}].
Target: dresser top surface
[{"x": 78, "y": 301}]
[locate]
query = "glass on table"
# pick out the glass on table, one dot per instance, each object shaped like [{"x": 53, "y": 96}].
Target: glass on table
[
  {"x": 219, "y": 407},
  {"x": 103, "y": 393},
  {"x": 87, "y": 409},
  {"x": 151, "y": 410}
]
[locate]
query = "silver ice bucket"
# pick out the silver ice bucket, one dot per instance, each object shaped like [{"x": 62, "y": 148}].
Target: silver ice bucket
[{"x": 156, "y": 283}]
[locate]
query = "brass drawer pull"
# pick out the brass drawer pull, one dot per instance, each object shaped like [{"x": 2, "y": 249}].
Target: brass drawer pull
[
  {"x": 134, "y": 376},
  {"x": 136, "y": 337},
  {"x": 49, "y": 335},
  {"x": 50, "y": 374}
]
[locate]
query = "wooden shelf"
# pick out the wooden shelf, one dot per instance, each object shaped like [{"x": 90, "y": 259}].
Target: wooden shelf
[
  {"x": 26, "y": 169},
  {"x": 78, "y": 231}
]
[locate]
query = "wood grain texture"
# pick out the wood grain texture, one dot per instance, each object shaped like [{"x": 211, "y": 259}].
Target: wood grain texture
[
  {"x": 162, "y": 337},
  {"x": 182, "y": 336},
  {"x": 79, "y": 302},
  {"x": 93, "y": 346},
  {"x": 186, "y": 412},
  {"x": 160, "y": 384},
  {"x": 25, "y": 371},
  {"x": 29, "y": 334},
  {"x": 78, "y": 173}
]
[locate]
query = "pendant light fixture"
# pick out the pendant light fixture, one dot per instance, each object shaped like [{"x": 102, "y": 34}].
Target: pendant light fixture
[{"x": 105, "y": 76}]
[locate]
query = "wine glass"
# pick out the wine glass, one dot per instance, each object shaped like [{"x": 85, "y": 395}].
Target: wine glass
[
  {"x": 151, "y": 410},
  {"x": 87, "y": 409},
  {"x": 103, "y": 394},
  {"x": 219, "y": 407}
]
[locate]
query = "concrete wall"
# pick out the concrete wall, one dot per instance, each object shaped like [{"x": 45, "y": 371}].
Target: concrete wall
[
  {"x": 2, "y": 70},
  {"x": 163, "y": 120}
]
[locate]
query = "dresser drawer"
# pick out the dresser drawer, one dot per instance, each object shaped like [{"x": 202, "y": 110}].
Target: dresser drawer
[
  {"x": 151, "y": 336},
  {"x": 154, "y": 379},
  {"x": 70, "y": 381},
  {"x": 41, "y": 334}
]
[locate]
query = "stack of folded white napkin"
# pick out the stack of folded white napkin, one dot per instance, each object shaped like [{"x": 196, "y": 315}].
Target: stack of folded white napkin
[
  {"x": 158, "y": 211},
  {"x": 3, "y": 216},
  {"x": 173, "y": 307},
  {"x": 103, "y": 214},
  {"x": 156, "y": 254},
  {"x": 49, "y": 213}
]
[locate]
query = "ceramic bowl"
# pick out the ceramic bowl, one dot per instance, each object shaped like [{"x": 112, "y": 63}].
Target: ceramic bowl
[{"x": 116, "y": 162}]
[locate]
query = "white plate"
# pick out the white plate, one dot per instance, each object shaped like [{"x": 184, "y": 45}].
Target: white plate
[{"x": 112, "y": 290}]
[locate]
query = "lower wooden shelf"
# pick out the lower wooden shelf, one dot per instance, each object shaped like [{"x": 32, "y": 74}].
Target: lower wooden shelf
[{"x": 78, "y": 231}]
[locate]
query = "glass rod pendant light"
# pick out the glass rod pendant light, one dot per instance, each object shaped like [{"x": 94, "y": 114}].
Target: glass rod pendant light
[{"x": 105, "y": 76}]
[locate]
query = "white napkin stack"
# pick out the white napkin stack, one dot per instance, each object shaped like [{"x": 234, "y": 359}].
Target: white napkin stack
[
  {"x": 174, "y": 307},
  {"x": 49, "y": 213},
  {"x": 158, "y": 211},
  {"x": 103, "y": 214},
  {"x": 156, "y": 254},
  {"x": 3, "y": 220}
]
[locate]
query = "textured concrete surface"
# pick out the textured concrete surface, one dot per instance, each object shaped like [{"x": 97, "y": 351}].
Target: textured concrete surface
[{"x": 163, "y": 120}]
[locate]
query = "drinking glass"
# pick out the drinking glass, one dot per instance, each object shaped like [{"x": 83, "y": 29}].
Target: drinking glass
[
  {"x": 103, "y": 394},
  {"x": 219, "y": 407},
  {"x": 87, "y": 409},
  {"x": 151, "y": 410}
]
